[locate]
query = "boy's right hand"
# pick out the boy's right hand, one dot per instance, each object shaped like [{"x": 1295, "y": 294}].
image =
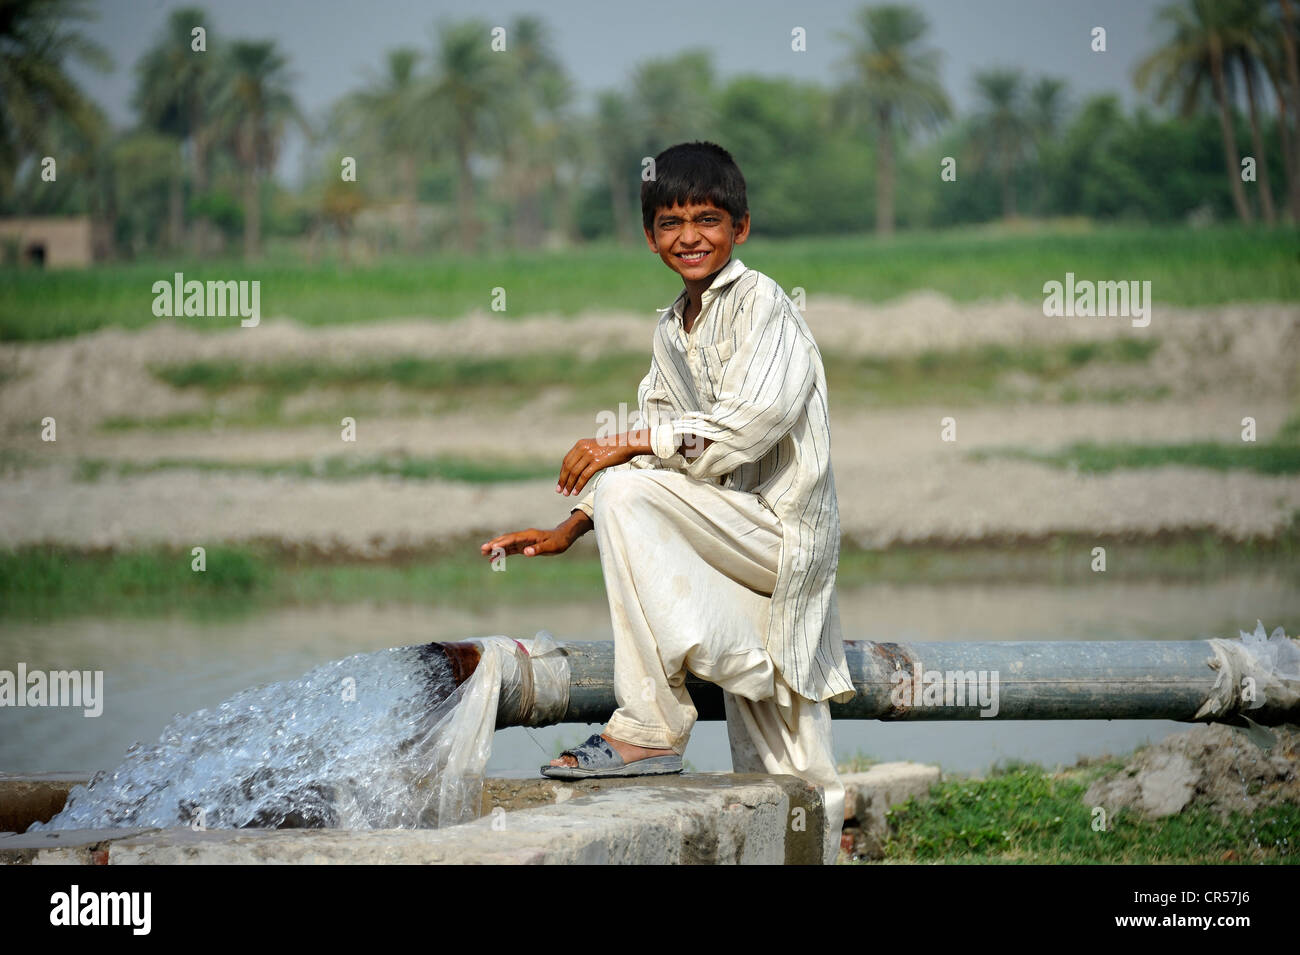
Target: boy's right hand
[{"x": 531, "y": 542}]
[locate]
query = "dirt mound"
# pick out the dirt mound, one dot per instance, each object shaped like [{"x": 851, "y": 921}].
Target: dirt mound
[
  {"x": 1252, "y": 348},
  {"x": 1213, "y": 766}
]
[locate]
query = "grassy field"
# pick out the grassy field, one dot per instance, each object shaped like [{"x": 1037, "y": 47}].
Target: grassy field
[
  {"x": 1278, "y": 456},
  {"x": 1026, "y": 815},
  {"x": 41, "y": 583},
  {"x": 1185, "y": 267},
  {"x": 253, "y": 394}
]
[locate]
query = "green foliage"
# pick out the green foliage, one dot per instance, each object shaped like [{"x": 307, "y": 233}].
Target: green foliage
[
  {"x": 220, "y": 209},
  {"x": 811, "y": 154},
  {"x": 1025, "y": 815}
]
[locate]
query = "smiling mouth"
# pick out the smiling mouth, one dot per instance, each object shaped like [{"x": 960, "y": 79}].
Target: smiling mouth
[{"x": 692, "y": 257}]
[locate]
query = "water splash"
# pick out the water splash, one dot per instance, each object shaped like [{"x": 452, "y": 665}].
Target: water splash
[{"x": 359, "y": 743}]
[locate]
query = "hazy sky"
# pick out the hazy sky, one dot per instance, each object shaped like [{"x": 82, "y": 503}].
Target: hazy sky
[{"x": 331, "y": 44}]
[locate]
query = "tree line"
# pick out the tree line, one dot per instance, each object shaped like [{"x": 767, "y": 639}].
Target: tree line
[{"x": 457, "y": 145}]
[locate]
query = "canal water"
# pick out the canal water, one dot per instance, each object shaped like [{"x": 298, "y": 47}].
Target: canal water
[{"x": 159, "y": 667}]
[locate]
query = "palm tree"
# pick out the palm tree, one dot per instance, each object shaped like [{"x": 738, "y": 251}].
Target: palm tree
[
  {"x": 527, "y": 127},
  {"x": 36, "y": 43},
  {"x": 568, "y": 152},
  {"x": 1203, "y": 35},
  {"x": 1250, "y": 51},
  {"x": 1000, "y": 131},
  {"x": 388, "y": 113},
  {"x": 616, "y": 141},
  {"x": 470, "y": 84},
  {"x": 672, "y": 100},
  {"x": 1046, "y": 112},
  {"x": 897, "y": 83},
  {"x": 1046, "y": 107},
  {"x": 1281, "y": 61},
  {"x": 175, "y": 86},
  {"x": 255, "y": 104},
  {"x": 146, "y": 166}
]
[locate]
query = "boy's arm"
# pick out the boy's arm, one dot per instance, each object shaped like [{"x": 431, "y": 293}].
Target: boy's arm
[
  {"x": 656, "y": 409},
  {"x": 764, "y": 388},
  {"x": 657, "y": 413}
]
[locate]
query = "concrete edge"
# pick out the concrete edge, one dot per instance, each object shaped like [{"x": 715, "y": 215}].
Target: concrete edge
[
  {"x": 697, "y": 818},
  {"x": 692, "y": 819},
  {"x": 869, "y": 795}
]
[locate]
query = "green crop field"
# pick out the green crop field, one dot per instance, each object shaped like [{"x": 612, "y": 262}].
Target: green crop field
[{"x": 1185, "y": 267}]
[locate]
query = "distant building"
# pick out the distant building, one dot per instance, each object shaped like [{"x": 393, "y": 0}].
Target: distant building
[{"x": 55, "y": 243}]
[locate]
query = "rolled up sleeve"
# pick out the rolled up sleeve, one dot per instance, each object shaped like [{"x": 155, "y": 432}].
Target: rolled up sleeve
[
  {"x": 763, "y": 390},
  {"x": 656, "y": 414}
]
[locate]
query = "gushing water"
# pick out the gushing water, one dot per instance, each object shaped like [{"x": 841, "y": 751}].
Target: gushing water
[{"x": 359, "y": 743}]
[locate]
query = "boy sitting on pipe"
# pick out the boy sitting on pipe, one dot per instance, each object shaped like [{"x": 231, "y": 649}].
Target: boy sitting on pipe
[{"x": 717, "y": 522}]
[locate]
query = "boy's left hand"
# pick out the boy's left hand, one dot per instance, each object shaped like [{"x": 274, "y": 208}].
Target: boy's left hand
[{"x": 590, "y": 455}]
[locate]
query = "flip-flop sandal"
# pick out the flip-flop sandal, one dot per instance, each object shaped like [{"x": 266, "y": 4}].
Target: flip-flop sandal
[{"x": 597, "y": 758}]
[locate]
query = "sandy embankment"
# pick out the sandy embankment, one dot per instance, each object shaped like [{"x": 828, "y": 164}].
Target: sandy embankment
[{"x": 897, "y": 481}]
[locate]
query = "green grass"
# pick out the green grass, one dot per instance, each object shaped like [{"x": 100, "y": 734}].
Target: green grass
[
  {"x": 458, "y": 382},
  {"x": 1065, "y": 558},
  {"x": 969, "y": 375},
  {"x": 416, "y": 374},
  {"x": 45, "y": 582},
  {"x": 1026, "y": 815},
  {"x": 1279, "y": 456},
  {"x": 336, "y": 468},
  {"x": 1186, "y": 268},
  {"x": 963, "y": 376},
  {"x": 859, "y": 762},
  {"x": 1101, "y": 458}
]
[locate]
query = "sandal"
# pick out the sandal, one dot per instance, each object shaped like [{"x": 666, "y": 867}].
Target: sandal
[{"x": 597, "y": 758}]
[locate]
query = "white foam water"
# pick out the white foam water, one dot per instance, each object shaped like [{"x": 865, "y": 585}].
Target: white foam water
[{"x": 359, "y": 743}]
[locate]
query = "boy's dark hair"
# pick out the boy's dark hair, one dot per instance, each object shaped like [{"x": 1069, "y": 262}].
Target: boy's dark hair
[{"x": 694, "y": 172}]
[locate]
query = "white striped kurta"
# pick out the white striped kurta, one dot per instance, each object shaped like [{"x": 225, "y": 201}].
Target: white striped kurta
[{"x": 749, "y": 376}]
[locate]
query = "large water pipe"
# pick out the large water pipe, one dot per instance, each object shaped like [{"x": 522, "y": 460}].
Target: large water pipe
[{"x": 1209, "y": 681}]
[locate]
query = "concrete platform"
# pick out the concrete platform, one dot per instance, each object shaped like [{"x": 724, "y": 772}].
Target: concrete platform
[
  {"x": 695, "y": 818},
  {"x": 691, "y": 819},
  {"x": 869, "y": 795}
]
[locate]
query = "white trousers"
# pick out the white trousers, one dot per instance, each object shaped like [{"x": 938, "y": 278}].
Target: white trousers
[{"x": 689, "y": 570}]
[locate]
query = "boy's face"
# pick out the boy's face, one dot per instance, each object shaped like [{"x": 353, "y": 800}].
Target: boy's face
[{"x": 695, "y": 240}]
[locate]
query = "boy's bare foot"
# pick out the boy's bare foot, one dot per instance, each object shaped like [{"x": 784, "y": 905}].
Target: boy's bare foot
[{"x": 629, "y": 751}]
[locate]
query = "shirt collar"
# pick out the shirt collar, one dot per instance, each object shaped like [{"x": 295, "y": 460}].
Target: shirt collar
[{"x": 726, "y": 275}]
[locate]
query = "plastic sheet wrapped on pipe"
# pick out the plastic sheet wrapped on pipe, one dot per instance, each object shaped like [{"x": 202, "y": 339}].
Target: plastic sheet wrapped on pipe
[
  {"x": 514, "y": 683},
  {"x": 1254, "y": 671}
]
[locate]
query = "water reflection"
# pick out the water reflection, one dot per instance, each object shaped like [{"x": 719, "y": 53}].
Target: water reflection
[{"x": 157, "y": 668}]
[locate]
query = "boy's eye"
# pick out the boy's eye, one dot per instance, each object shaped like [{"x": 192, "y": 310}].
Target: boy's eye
[{"x": 676, "y": 223}]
